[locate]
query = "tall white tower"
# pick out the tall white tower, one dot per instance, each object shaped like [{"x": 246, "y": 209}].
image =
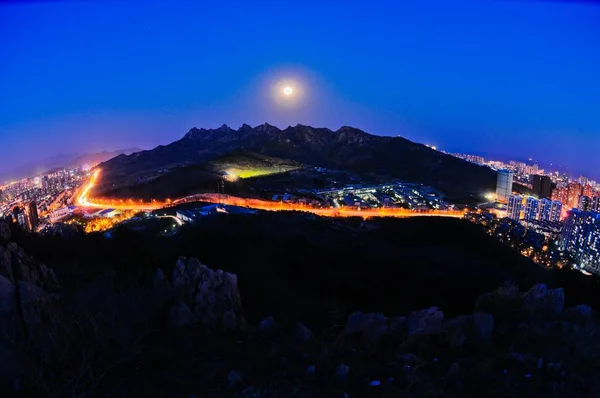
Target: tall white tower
[{"x": 504, "y": 185}]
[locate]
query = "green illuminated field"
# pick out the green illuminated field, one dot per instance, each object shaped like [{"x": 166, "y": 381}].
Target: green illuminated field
[
  {"x": 249, "y": 173},
  {"x": 249, "y": 165}
]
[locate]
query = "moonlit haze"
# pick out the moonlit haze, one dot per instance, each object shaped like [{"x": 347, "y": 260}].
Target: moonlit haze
[{"x": 512, "y": 79}]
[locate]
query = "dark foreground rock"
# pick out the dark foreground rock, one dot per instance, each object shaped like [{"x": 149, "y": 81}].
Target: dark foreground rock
[
  {"x": 183, "y": 333},
  {"x": 201, "y": 296}
]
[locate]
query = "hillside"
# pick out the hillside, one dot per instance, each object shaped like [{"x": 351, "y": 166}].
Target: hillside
[
  {"x": 277, "y": 313},
  {"x": 347, "y": 149},
  {"x": 303, "y": 266}
]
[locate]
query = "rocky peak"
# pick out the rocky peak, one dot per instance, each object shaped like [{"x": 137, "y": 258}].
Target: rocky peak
[
  {"x": 195, "y": 133},
  {"x": 225, "y": 129},
  {"x": 350, "y": 130},
  {"x": 351, "y": 134},
  {"x": 267, "y": 128}
]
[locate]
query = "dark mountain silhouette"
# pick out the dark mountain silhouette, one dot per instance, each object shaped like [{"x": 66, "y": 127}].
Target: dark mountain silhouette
[{"x": 347, "y": 148}]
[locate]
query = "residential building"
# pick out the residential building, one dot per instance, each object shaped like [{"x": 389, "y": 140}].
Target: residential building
[
  {"x": 581, "y": 238},
  {"x": 585, "y": 203},
  {"x": 59, "y": 214},
  {"x": 515, "y": 206},
  {"x": 545, "y": 211},
  {"x": 556, "y": 212},
  {"x": 542, "y": 186},
  {"x": 532, "y": 206},
  {"x": 560, "y": 194},
  {"x": 573, "y": 194},
  {"x": 595, "y": 204},
  {"x": 504, "y": 185},
  {"x": 31, "y": 216}
]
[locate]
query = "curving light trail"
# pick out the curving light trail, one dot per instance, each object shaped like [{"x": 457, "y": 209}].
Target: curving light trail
[{"x": 84, "y": 200}]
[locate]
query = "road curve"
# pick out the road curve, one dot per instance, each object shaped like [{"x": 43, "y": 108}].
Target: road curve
[{"x": 85, "y": 200}]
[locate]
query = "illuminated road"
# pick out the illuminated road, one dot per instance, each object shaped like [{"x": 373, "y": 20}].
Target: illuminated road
[{"x": 85, "y": 201}]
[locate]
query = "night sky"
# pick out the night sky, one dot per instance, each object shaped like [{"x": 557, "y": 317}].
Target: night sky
[{"x": 514, "y": 79}]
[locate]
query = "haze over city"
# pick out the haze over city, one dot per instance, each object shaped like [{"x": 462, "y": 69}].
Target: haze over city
[{"x": 506, "y": 78}]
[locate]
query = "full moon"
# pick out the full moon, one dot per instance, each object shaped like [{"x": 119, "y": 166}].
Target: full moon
[{"x": 288, "y": 92}]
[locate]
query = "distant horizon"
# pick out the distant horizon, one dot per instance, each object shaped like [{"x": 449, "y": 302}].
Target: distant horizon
[
  {"x": 469, "y": 76},
  {"x": 486, "y": 155}
]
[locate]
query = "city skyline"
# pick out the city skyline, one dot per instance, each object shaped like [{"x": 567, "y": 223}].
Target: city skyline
[{"x": 471, "y": 78}]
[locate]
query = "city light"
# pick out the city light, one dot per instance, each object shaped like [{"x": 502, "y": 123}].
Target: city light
[{"x": 136, "y": 205}]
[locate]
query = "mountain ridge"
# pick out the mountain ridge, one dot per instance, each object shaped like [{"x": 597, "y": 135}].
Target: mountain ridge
[{"x": 346, "y": 148}]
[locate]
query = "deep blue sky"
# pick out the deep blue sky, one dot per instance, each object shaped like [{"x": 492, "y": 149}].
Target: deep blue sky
[{"x": 511, "y": 78}]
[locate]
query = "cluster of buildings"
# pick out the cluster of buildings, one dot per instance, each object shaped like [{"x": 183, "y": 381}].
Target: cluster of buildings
[
  {"x": 532, "y": 209},
  {"x": 573, "y": 207},
  {"x": 26, "y": 215},
  {"x": 192, "y": 215},
  {"x": 581, "y": 239},
  {"x": 46, "y": 198},
  {"x": 398, "y": 194}
]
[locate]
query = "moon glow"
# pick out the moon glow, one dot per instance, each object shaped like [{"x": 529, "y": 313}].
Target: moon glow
[{"x": 288, "y": 91}]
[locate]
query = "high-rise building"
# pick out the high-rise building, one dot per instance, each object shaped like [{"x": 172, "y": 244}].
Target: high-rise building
[
  {"x": 515, "y": 206},
  {"x": 17, "y": 215},
  {"x": 588, "y": 191},
  {"x": 556, "y": 211},
  {"x": 545, "y": 210},
  {"x": 561, "y": 194},
  {"x": 31, "y": 216},
  {"x": 542, "y": 186},
  {"x": 585, "y": 203},
  {"x": 532, "y": 206},
  {"x": 573, "y": 194},
  {"x": 581, "y": 238},
  {"x": 595, "y": 204},
  {"x": 504, "y": 185}
]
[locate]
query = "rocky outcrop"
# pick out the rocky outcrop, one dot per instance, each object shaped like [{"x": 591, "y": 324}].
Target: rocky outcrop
[
  {"x": 25, "y": 305},
  {"x": 425, "y": 321},
  {"x": 371, "y": 329},
  {"x": 475, "y": 329},
  {"x": 202, "y": 296},
  {"x": 4, "y": 232},
  {"x": 17, "y": 266},
  {"x": 24, "y": 285},
  {"x": 541, "y": 301}
]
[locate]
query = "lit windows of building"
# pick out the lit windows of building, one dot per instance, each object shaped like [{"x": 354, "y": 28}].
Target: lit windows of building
[
  {"x": 545, "y": 212},
  {"x": 515, "y": 206},
  {"x": 556, "y": 211},
  {"x": 561, "y": 194},
  {"x": 573, "y": 194},
  {"x": 585, "y": 203},
  {"x": 31, "y": 216},
  {"x": 532, "y": 206},
  {"x": 581, "y": 238}
]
